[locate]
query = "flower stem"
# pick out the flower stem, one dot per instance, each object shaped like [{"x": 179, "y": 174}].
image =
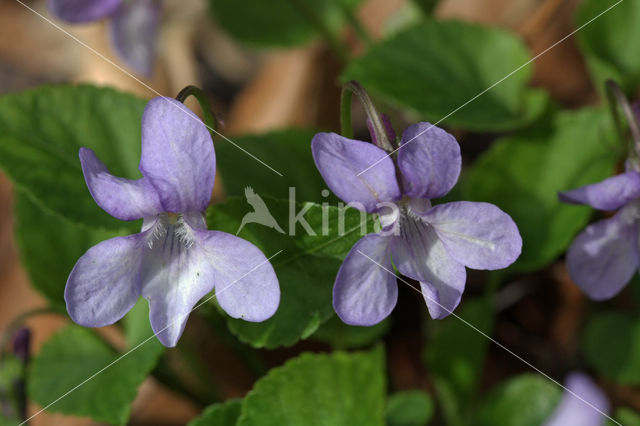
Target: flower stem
[
  {"x": 209, "y": 118},
  {"x": 348, "y": 90},
  {"x": 618, "y": 99},
  {"x": 321, "y": 26}
]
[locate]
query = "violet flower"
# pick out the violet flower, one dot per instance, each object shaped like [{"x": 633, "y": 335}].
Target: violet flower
[
  {"x": 572, "y": 411},
  {"x": 604, "y": 257},
  {"x": 174, "y": 261},
  {"x": 133, "y": 25},
  {"x": 431, "y": 244}
]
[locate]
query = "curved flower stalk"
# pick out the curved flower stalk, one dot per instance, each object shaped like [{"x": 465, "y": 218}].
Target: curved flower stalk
[
  {"x": 592, "y": 410},
  {"x": 605, "y": 256},
  {"x": 175, "y": 260},
  {"x": 133, "y": 25},
  {"x": 431, "y": 244}
]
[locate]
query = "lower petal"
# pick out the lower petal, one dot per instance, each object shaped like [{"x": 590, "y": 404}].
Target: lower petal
[
  {"x": 604, "y": 257},
  {"x": 583, "y": 411},
  {"x": 419, "y": 254},
  {"x": 246, "y": 284},
  {"x": 366, "y": 291},
  {"x": 104, "y": 284},
  {"x": 133, "y": 30},
  {"x": 175, "y": 276}
]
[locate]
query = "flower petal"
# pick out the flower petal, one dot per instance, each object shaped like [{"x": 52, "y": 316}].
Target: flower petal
[
  {"x": 134, "y": 28},
  {"x": 78, "y": 11},
  {"x": 177, "y": 155},
  {"x": 419, "y": 254},
  {"x": 246, "y": 284},
  {"x": 430, "y": 161},
  {"x": 610, "y": 194},
  {"x": 365, "y": 293},
  {"x": 175, "y": 275},
  {"x": 604, "y": 257},
  {"x": 339, "y": 160},
  {"x": 122, "y": 198},
  {"x": 104, "y": 284},
  {"x": 478, "y": 235},
  {"x": 573, "y": 411}
]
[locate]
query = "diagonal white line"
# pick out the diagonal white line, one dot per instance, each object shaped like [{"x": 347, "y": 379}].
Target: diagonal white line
[
  {"x": 151, "y": 89},
  {"x": 93, "y": 376},
  {"x": 495, "y": 342},
  {"x": 494, "y": 85}
]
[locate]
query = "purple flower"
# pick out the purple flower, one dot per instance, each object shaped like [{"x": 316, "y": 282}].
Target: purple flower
[
  {"x": 431, "y": 244},
  {"x": 572, "y": 411},
  {"x": 174, "y": 261},
  {"x": 604, "y": 257},
  {"x": 133, "y": 26}
]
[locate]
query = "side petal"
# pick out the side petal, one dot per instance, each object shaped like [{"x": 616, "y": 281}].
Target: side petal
[
  {"x": 430, "y": 161},
  {"x": 604, "y": 257},
  {"x": 478, "y": 235},
  {"x": 105, "y": 282},
  {"x": 175, "y": 275},
  {"x": 78, "y": 11},
  {"x": 419, "y": 254},
  {"x": 365, "y": 293},
  {"x": 177, "y": 155},
  {"x": 134, "y": 28},
  {"x": 584, "y": 412},
  {"x": 246, "y": 284},
  {"x": 122, "y": 198},
  {"x": 340, "y": 161},
  {"x": 610, "y": 194}
]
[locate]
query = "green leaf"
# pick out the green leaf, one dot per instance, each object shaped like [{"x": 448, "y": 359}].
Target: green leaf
[
  {"x": 12, "y": 371},
  {"x": 287, "y": 151},
  {"x": 42, "y": 130},
  {"x": 527, "y": 400},
  {"x": 344, "y": 336},
  {"x": 50, "y": 246},
  {"x": 610, "y": 41},
  {"x": 409, "y": 408},
  {"x": 438, "y": 66},
  {"x": 280, "y": 23},
  {"x": 455, "y": 356},
  {"x": 224, "y": 414},
  {"x": 340, "y": 389},
  {"x": 80, "y": 375},
  {"x": 627, "y": 417},
  {"x": 612, "y": 346},
  {"x": 523, "y": 173},
  {"x": 306, "y": 266}
]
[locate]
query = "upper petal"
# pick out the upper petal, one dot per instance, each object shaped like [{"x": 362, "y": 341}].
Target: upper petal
[
  {"x": 77, "y": 11},
  {"x": 583, "y": 411},
  {"x": 418, "y": 253},
  {"x": 175, "y": 275},
  {"x": 478, "y": 235},
  {"x": 177, "y": 155},
  {"x": 104, "y": 284},
  {"x": 340, "y": 161},
  {"x": 604, "y": 257},
  {"x": 122, "y": 198},
  {"x": 134, "y": 28},
  {"x": 246, "y": 284},
  {"x": 365, "y": 291},
  {"x": 430, "y": 161},
  {"x": 610, "y": 194}
]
